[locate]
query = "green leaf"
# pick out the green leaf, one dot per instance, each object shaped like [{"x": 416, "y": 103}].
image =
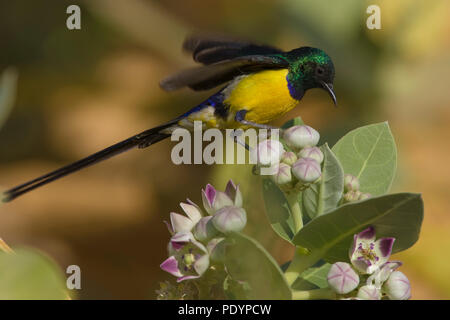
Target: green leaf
[
  {"x": 330, "y": 236},
  {"x": 28, "y": 274},
  {"x": 277, "y": 210},
  {"x": 8, "y": 86},
  {"x": 324, "y": 196},
  {"x": 316, "y": 276},
  {"x": 246, "y": 260},
  {"x": 369, "y": 153},
  {"x": 293, "y": 122}
]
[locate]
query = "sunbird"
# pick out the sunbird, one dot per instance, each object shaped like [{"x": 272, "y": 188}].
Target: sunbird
[{"x": 261, "y": 84}]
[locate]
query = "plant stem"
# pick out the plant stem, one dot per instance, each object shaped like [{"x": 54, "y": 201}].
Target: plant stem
[
  {"x": 325, "y": 293},
  {"x": 302, "y": 260},
  {"x": 296, "y": 210}
]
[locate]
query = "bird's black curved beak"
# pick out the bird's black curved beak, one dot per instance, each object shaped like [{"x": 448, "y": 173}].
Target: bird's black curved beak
[{"x": 329, "y": 88}]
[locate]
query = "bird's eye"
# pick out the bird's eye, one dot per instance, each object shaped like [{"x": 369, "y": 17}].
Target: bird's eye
[{"x": 319, "y": 70}]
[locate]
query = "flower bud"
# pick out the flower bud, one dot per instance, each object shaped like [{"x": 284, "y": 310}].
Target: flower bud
[
  {"x": 204, "y": 229},
  {"x": 364, "y": 196},
  {"x": 301, "y": 136},
  {"x": 214, "y": 200},
  {"x": 397, "y": 287},
  {"x": 283, "y": 174},
  {"x": 234, "y": 193},
  {"x": 306, "y": 170},
  {"x": 267, "y": 153},
  {"x": 221, "y": 200},
  {"x": 351, "y": 196},
  {"x": 369, "y": 292},
  {"x": 351, "y": 183},
  {"x": 311, "y": 152},
  {"x": 342, "y": 278},
  {"x": 289, "y": 158},
  {"x": 229, "y": 219}
]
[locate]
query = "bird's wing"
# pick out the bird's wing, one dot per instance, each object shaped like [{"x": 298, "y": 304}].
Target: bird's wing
[
  {"x": 210, "y": 76},
  {"x": 212, "y": 49}
]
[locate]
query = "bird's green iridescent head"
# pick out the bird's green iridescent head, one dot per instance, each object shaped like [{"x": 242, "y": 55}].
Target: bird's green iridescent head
[{"x": 309, "y": 68}]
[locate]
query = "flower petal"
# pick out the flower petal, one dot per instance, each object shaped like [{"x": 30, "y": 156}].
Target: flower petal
[
  {"x": 195, "y": 205},
  {"x": 208, "y": 196},
  {"x": 201, "y": 264},
  {"x": 180, "y": 223},
  {"x": 210, "y": 193},
  {"x": 367, "y": 234},
  {"x": 221, "y": 200},
  {"x": 169, "y": 227},
  {"x": 230, "y": 189},
  {"x": 191, "y": 202},
  {"x": 187, "y": 278},
  {"x": 170, "y": 265},
  {"x": 180, "y": 239},
  {"x": 238, "y": 201},
  {"x": 383, "y": 247},
  {"x": 363, "y": 265},
  {"x": 233, "y": 192},
  {"x": 386, "y": 271},
  {"x": 191, "y": 211},
  {"x": 353, "y": 247}
]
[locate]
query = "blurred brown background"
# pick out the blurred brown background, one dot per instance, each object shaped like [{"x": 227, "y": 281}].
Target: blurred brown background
[{"x": 80, "y": 91}]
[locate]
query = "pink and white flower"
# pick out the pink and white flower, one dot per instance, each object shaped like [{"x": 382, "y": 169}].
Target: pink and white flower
[
  {"x": 380, "y": 276},
  {"x": 367, "y": 255},
  {"x": 188, "y": 258}
]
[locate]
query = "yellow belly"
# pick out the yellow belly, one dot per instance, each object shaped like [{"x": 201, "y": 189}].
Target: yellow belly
[{"x": 265, "y": 95}]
